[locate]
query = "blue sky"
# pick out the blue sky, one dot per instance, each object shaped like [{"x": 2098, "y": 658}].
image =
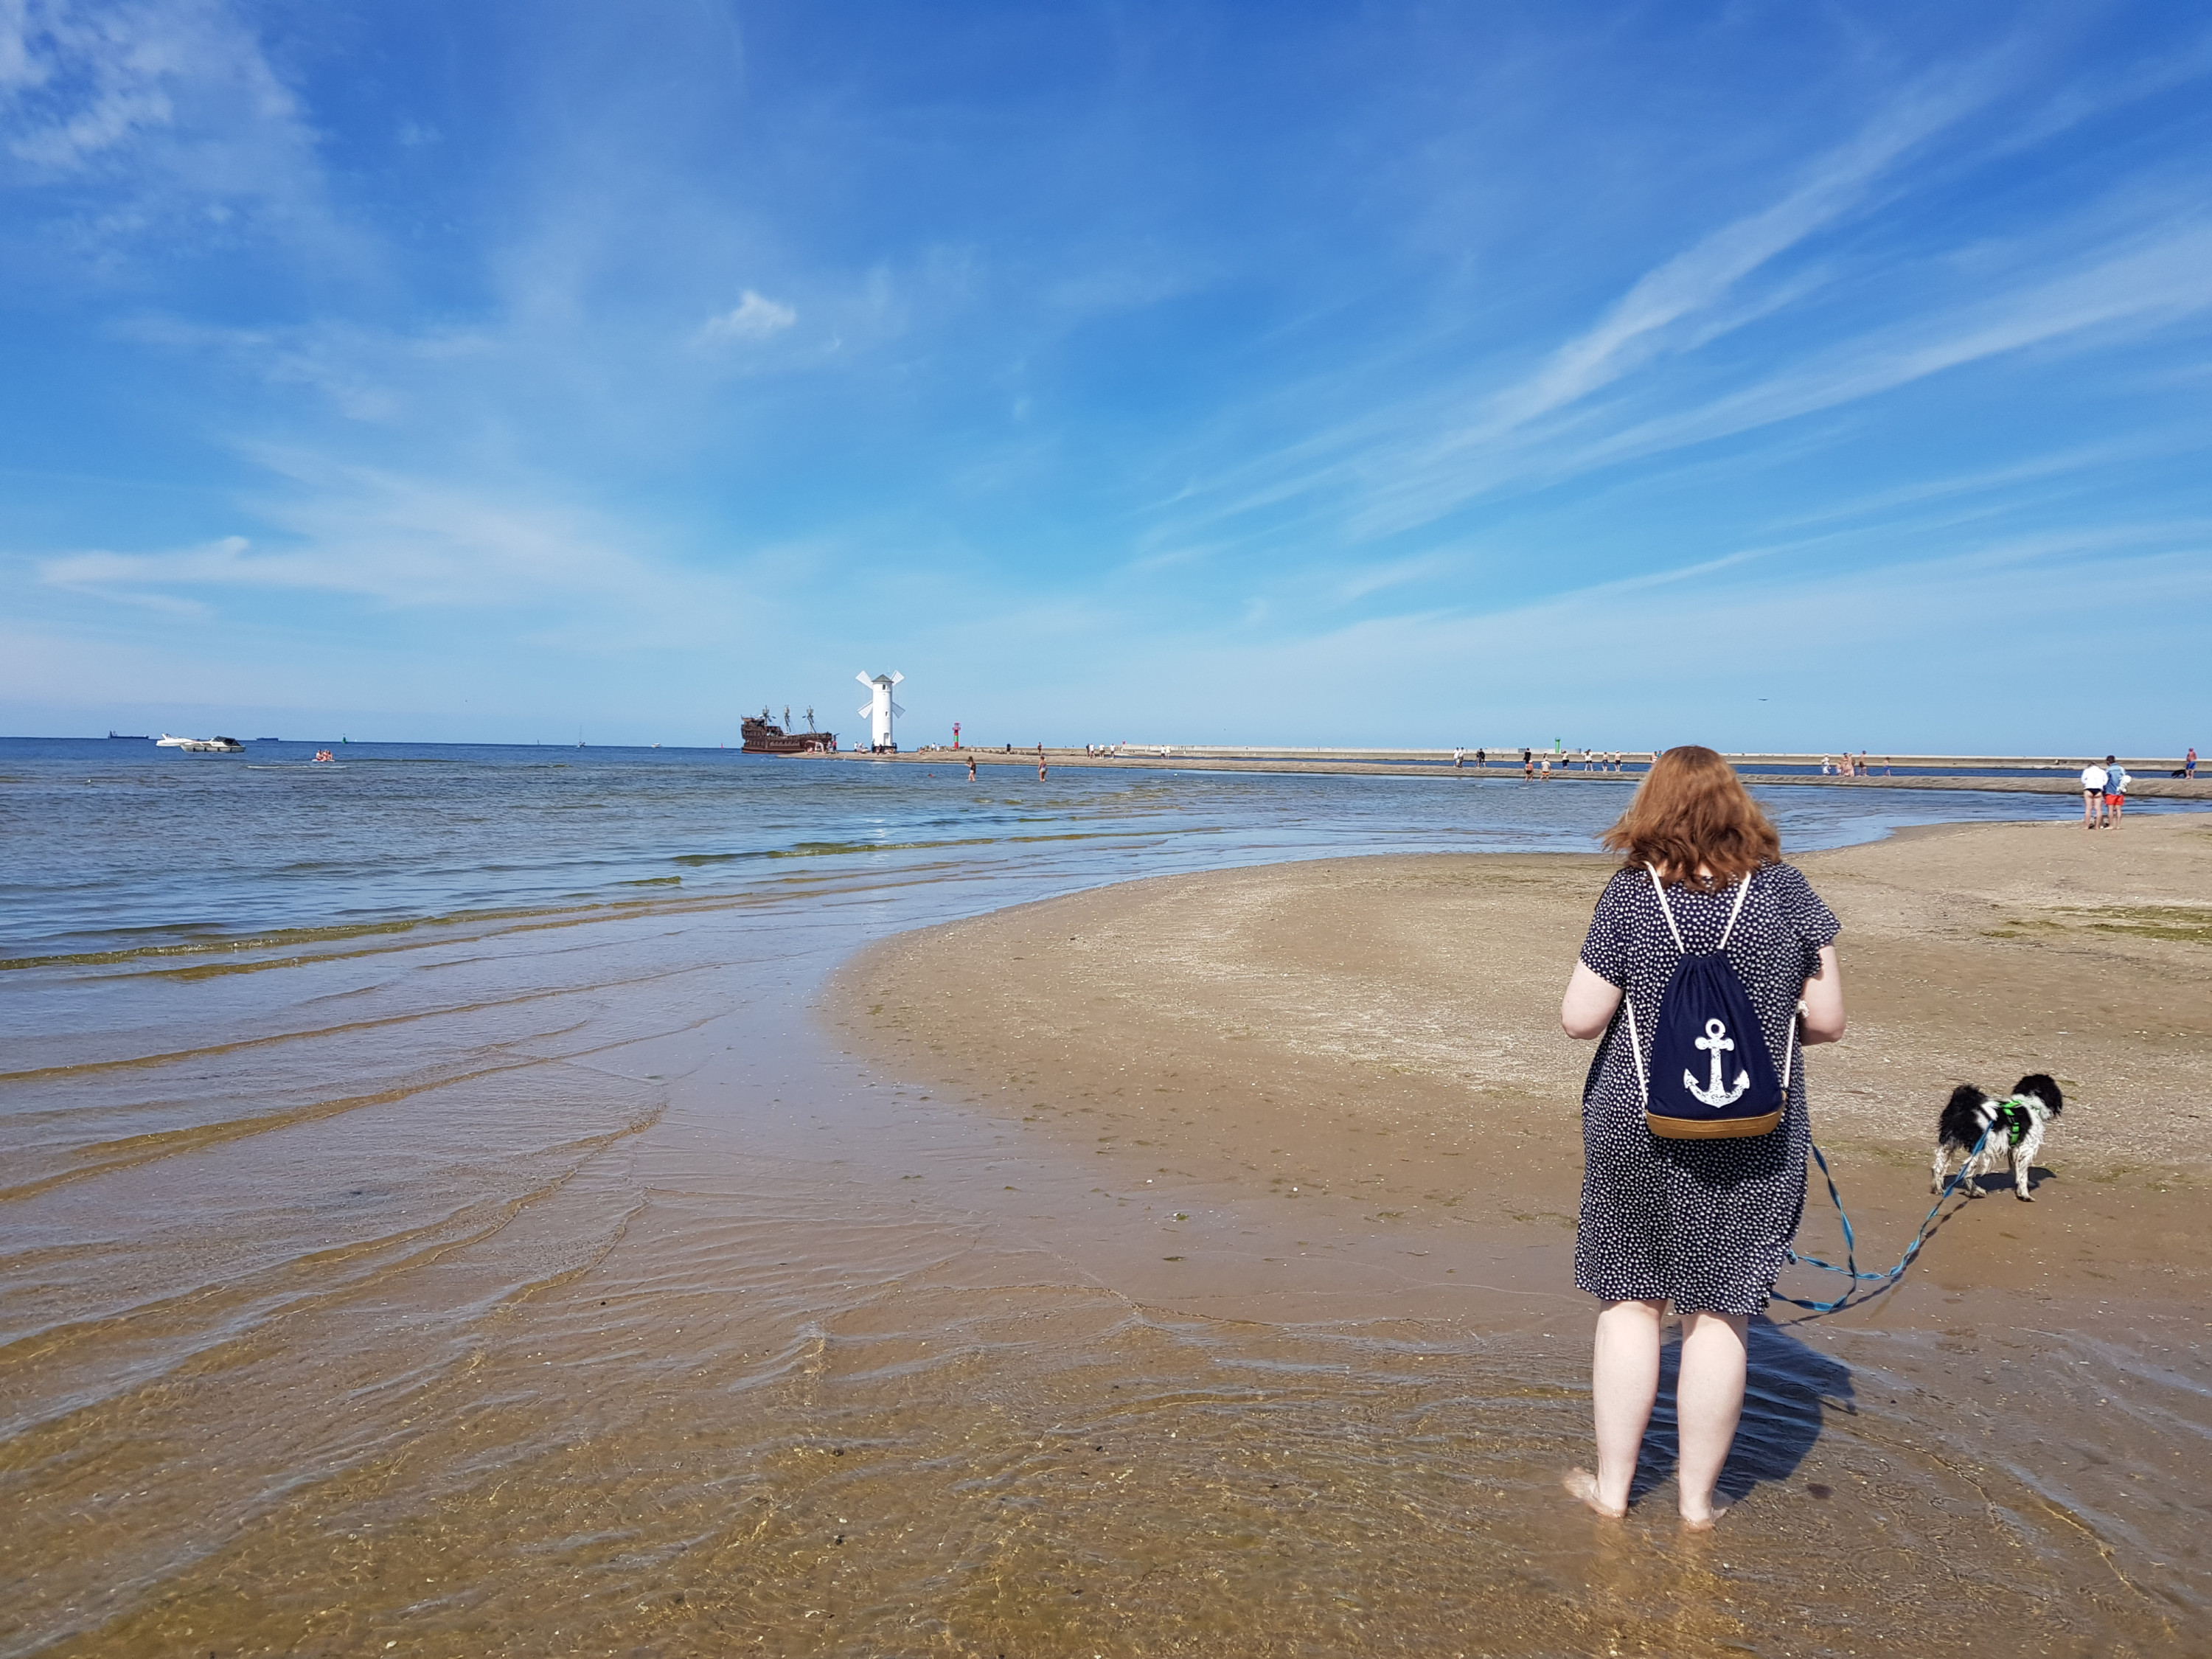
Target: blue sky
[{"x": 1761, "y": 375}]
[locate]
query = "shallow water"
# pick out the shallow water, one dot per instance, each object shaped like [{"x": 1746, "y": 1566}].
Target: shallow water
[{"x": 419, "y": 1230}]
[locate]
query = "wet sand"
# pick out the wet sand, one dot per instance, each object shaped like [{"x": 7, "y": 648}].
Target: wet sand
[
  {"x": 1197, "y": 1283},
  {"x": 1355, "y": 1067}
]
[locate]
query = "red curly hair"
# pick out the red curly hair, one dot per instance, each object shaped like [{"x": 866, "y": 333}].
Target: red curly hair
[{"x": 1694, "y": 818}]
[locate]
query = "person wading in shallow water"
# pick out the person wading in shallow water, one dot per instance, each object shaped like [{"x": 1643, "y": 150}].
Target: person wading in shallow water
[{"x": 1703, "y": 1224}]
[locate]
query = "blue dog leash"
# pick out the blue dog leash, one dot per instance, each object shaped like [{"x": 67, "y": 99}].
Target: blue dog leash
[{"x": 1851, "y": 1269}]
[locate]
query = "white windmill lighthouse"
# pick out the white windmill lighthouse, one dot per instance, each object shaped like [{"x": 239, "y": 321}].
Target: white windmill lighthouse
[{"x": 879, "y": 709}]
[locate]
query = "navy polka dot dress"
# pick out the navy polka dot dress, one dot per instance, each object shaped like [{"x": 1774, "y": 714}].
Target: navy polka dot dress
[{"x": 1702, "y": 1223}]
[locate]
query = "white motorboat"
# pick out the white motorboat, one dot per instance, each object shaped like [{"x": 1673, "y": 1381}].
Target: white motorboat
[{"x": 201, "y": 745}]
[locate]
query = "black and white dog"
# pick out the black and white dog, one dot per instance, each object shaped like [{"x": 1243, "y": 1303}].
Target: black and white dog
[{"x": 2013, "y": 1129}]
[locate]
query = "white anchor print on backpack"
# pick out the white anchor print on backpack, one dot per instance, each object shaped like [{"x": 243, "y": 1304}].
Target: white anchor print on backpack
[
  {"x": 1706, "y": 1025},
  {"x": 1716, "y": 1039}
]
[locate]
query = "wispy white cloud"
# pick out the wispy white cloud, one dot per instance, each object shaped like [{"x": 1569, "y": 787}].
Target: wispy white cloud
[
  {"x": 1414, "y": 461},
  {"x": 185, "y": 90},
  {"x": 1689, "y": 287},
  {"x": 366, "y": 374},
  {"x": 2160, "y": 278},
  {"x": 1686, "y": 655},
  {"x": 378, "y": 541},
  {"x": 2005, "y": 482},
  {"x": 2118, "y": 265},
  {"x": 1368, "y": 579},
  {"x": 400, "y": 542},
  {"x": 755, "y": 317}
]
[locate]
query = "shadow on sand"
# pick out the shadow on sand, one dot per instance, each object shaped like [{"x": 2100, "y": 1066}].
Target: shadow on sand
[
  {"x": 2001, "y": 1180},
  {"x": 1790, "y": 1387}
]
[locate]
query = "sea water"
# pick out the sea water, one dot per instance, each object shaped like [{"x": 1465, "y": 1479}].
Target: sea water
[
  {"x": 116, "y": 846},
  {"x": 431, "y": 1216}
]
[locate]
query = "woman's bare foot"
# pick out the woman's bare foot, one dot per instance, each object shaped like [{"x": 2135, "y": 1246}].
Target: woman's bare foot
[
  {"x": 1582, "y": 1484},
  {"x": 1706, "y": 1522}
]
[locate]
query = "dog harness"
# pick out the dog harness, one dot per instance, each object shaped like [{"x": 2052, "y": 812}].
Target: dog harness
[{"x": 2017, "y": 1115}]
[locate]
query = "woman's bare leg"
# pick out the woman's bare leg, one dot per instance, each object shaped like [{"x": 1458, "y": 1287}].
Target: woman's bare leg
[
  {"x": 1624, "y": 1381},
  {"x": 1708, "y": 1403}
]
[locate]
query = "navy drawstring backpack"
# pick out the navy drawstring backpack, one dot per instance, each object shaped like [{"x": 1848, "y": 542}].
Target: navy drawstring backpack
[{"x": 1710, "y": 1077}]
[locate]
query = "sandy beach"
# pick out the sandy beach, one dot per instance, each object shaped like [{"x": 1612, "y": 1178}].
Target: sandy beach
[
  {"x": 1357, "y": 1063},
  {"x": 1320, "y": 1007},
  {"x": 770, "y": 1260}
]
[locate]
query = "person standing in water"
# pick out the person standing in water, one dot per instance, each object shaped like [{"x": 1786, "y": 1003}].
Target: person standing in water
[
  {"x": 971, "y": 768},
  {"x": 1704, "y": 1225}
]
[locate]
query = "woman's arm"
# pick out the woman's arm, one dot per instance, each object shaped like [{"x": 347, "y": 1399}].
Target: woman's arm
[
  {"x": 1824, "y": 1000},
  {"x": 1589, "y": 1003}
]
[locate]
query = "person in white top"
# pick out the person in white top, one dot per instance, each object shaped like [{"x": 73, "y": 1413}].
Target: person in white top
[{"x": 2093, "y": 794}]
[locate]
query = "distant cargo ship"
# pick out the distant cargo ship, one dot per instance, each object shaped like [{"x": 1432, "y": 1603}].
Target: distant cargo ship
[
  {"x": 131, "y": 737},
  {"x": 764, "y": 739}
]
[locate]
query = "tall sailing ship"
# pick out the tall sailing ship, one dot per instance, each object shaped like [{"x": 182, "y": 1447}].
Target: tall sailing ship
[{"x": 763, "y": 738}]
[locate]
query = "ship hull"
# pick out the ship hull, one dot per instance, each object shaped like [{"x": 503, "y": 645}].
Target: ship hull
[{"x": 762, "y": 738}]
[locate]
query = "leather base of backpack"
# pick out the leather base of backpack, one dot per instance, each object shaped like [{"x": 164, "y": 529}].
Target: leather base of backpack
[{"x": 1713, "y": 1128}]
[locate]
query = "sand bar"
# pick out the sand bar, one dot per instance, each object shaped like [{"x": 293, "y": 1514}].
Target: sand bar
[
  {"x": 1356, "y": 1063},
  {"x": 1426, "y": 990}
]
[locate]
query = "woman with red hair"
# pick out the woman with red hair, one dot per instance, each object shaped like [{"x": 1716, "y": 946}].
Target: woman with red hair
[{"x": 1703, "y": 1224}]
